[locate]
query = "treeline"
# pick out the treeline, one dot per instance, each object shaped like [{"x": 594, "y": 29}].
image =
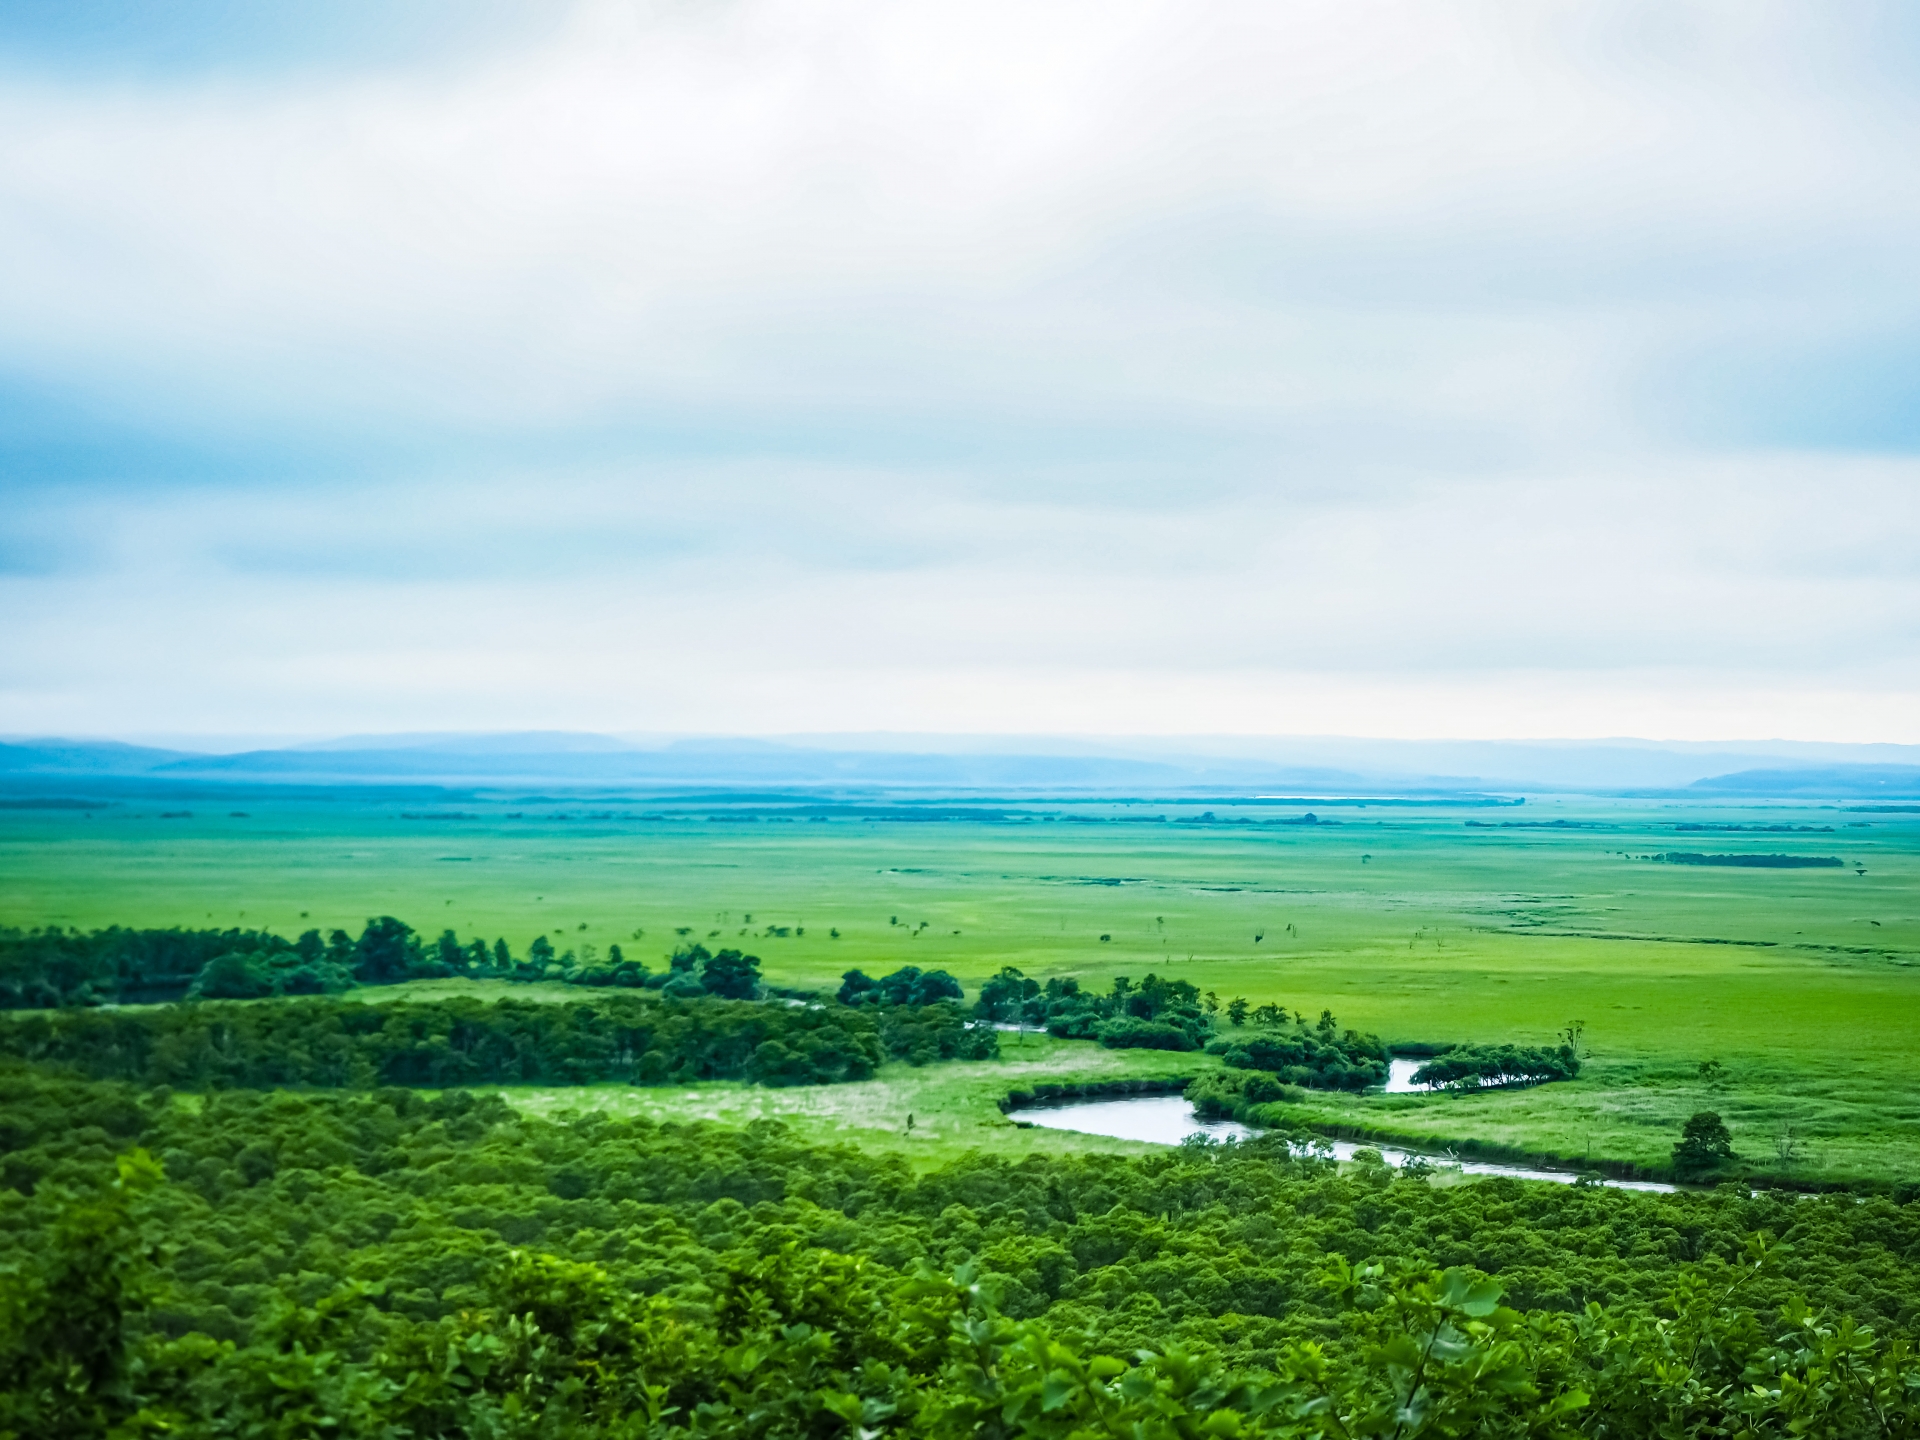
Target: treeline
[
  {"x": 385, "y": 1264},
  {"x": 335, "y": 1043},
  {"x": 55, "y": 967},
  {"x": 51, "y": 967},
  {"x": 1754, "y": 862},
  {"x": 1473, "y": 1067}
]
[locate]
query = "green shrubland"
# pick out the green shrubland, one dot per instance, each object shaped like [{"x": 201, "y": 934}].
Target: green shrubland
[{"x": 393, "y": 1263}]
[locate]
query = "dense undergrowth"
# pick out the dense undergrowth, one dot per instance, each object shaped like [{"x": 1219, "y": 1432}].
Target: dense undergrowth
[{"x": 391, "y": 1264}]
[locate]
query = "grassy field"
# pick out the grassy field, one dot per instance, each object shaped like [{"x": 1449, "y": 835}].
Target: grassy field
[
  {"x": 953, "y": 1105},
  {"x": 1411, "y": 923}
]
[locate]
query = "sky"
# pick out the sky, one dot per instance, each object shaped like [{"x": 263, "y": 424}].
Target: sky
[{"x": 1342, "y": 367}]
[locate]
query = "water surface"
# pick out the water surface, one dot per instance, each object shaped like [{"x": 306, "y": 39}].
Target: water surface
[{"x": 1169, "y": 1119}]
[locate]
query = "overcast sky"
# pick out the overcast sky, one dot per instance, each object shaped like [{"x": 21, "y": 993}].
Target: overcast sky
[{"x": 1416, "y": 369}]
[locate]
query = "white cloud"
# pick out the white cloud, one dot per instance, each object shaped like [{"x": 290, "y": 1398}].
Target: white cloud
[{"x": 816, "y": 366}]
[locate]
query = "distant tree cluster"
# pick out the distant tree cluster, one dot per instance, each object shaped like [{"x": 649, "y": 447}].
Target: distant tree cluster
[
  {"x": 51, "y": 968},
  {"x": 1754, "y": 862},
  {"x": 336, "y": 1043},
  {"x": 909, "y": 985},
  {"x": 1321, "y": 1056},
  {"x": 920, "y": 1016},
  {"x": 1156, "y": 1014},
  {"x": 1473, "y": 1067}
]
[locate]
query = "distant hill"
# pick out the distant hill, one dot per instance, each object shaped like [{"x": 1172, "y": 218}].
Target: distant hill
[
  {"x": 699, "y": 764},
  {"x": 82, "y": 757},
  {"x": 1837, "y": 782},
  {"x": 1248, "y": 765}
]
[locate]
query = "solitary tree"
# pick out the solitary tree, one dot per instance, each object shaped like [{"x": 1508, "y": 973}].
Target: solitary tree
[{"x": 1705, "y": 1144}]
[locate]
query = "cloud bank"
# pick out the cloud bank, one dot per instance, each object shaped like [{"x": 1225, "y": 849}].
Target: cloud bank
[{"x": 1378, "y": 368}]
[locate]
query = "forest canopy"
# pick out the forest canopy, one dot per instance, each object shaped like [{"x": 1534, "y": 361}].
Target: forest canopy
[
  {"x": 388, "y": 1263},
  {"x": 640, "y": 1039}
]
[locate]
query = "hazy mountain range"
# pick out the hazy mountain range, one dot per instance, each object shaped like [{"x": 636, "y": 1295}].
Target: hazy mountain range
[{"x": 1313, "y": 766}]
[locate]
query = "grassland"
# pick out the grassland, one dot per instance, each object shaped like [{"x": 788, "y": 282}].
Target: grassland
[
  {"x": 1407, "y": 922},
  {"x": 953, "y": 1105}
]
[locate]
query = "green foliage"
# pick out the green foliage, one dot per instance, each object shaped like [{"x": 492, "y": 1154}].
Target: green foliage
[
  {"x": 65, "y": 1360},
  {"x": 53, "y": 967},
  {"x": 1156, "y": 1014},
  {"x": 1705, "y": 1144},
  {"x": 731, "y": 975},
  {"x": 1473, "y": 1067},
  {"x": 1237, "y": 1095},
  {"x": 922, "y": 1034},
  {"x": 340, "y": 1043},
  {"x": 1126, "y": 1032},
  {"x": 636, "y": 1038},
  {"x": 397, "y": 1265},
  {"x": 1320, "y": 1057},
  {"x": 909, "y": 985},
  {"x": 233, "y": 976},
  {"x": 1753, "y": 862},
  {"x": 388, "y": 951}
]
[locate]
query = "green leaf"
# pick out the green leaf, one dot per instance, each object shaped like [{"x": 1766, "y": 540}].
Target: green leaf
[{"x": 1057, "y": 1389}]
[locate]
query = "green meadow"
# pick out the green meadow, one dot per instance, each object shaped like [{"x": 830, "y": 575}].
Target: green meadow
[{"x": 1800, "y": 984}]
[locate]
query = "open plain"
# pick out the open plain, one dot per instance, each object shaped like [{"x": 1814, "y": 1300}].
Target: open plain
[{"x": 1796, "y": 988}]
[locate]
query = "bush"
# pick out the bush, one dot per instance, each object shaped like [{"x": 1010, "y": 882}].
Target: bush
[
  {"x": 1705, "y": 1144},
  {"x": 233, "y": 976},
  {"x": 1127, "y": 1033}
]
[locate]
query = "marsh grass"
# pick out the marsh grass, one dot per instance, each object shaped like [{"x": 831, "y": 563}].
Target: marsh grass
[
  {"x": 954, "y": 1104},
  {"x": 1803, "y": 984}
]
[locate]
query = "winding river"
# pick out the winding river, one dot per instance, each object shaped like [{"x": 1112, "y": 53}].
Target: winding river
[{"x": 1169, "y": 1119}]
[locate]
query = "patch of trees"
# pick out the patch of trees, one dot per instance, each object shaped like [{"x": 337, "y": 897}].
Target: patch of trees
[
  {"x": 1473, "y": 1067},
  {"x": 921, "y": 1034},
  {"x": 51, "y": 967},
  {"x": 920, "y": 1016},
  {"x": 1155, "y": 1014},
  {"x": 335, "y": 1043},
  {"x": 1245, "y": 1096},
  {"x": 909, "y": 985},
  {"x": 384, "y": 1263},
  {"x": 1321, "y": 1056},
  {"x": 1754, "y": 862}
]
